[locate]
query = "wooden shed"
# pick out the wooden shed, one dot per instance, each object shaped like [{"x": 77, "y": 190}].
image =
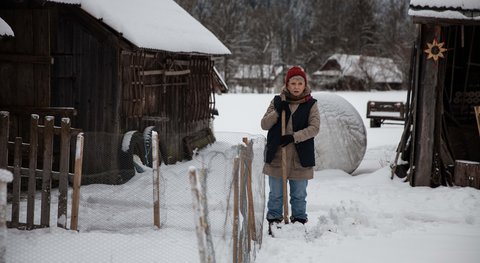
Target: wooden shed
[
  {"x": 441, "y": 141},
  {"x": 261, "y": 78},
  {"x": 113, "y": 67}
]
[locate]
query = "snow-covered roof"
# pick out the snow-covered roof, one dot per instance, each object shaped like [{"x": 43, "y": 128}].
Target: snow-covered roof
[
  {"x": 5, "y": 29},
  {"x": 330, "y": 73},
  {"x": 446, "y": 9},
  {"x": 249, "y": 71},
  {"x": 448, "y": 4},
  {"x": 154, "y": 24},
  {"x": 378, "y": 69}
]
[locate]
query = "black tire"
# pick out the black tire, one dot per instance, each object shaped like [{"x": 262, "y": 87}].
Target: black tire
[{"x": 136, "y": 147}]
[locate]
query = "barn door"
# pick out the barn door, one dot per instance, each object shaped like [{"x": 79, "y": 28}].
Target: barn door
[
  {"x": 25, "y": 59},
  {"x": 25, "y": 63}
]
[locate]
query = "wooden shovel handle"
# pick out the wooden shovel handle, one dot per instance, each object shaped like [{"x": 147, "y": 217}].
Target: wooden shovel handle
[{"x": 284, "y": 174}]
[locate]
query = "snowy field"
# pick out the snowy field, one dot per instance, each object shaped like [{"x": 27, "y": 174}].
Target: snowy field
[{"x": 364, "y": 218}]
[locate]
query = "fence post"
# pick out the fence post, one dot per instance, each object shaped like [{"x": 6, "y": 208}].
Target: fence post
[
  {"x": 77, "y": 181},
  {"x": 200, "y": 221},
  {"x": 16, "y": 184},
  {"x": 210, "y": 252},
  {"x": 235, "y": 209},
  {"x": 5, "y": 177},
  {"x": 156, "y": 180},
  {"x": 47, "y": 170},
  {"x": 4, "y": 125},
  {"x": 32, "y": 180},
  {"x": 63, "y": 176},
  {"x": 251, "y": 208}
]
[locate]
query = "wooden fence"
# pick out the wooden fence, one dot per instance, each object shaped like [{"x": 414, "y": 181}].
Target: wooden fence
[
  {"x": 41, "y": 137},
  {"x": 244, "y": 232}
]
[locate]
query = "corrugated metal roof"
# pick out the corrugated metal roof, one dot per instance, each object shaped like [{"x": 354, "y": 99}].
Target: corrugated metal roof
[{"x": 154, "y": 24}]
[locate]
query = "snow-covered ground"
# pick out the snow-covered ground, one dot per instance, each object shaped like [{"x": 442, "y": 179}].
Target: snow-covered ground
[{"x": 362, "y": 218}]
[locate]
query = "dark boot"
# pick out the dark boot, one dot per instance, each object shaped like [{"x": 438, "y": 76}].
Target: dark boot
[
  {"x": 300, "y": 220},
  {"x": 272, "y": 222}
]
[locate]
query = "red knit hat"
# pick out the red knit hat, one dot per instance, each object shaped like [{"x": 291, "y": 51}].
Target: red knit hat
[{"x": 295, "y": 71}]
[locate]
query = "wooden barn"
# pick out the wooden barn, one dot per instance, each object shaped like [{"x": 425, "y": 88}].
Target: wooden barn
[
  {"x": 358, "y": 72},
  {"x": 441, "y": 140},
  {"x": 112, "y": 67}
]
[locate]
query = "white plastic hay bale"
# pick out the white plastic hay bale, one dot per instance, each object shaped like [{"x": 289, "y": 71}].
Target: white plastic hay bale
[{"x": 342, "y": 140}]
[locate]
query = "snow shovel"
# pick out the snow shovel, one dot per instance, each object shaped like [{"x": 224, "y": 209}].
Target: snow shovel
[{"x": 284, "y": 173}]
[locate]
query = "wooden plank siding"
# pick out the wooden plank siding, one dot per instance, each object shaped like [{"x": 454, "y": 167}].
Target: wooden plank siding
[
  {"x": 61, "y": 57},
  {"x": 85, "y": 70},
  {"x": 31, "y": 42},
  {"x": 175, "y": 96}
]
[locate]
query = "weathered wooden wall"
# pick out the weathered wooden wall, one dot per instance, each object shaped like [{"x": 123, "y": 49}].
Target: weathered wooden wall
[
  {"x": 25, "y": 64},
  {"x": 25, "y": 59},
  {"x": 171, "y": 92},
  {"x": 85, "y": 73},
  {"x": 63, "y": 57}
]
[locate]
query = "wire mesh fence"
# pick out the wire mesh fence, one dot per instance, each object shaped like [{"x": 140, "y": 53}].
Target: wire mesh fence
[{"x": 116, "y": 216}]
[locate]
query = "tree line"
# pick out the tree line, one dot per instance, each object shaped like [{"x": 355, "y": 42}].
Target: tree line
[{"x": 305, "y": 32}]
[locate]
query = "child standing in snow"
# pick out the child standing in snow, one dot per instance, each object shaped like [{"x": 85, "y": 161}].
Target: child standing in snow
[{"x": 302, "y": 120}]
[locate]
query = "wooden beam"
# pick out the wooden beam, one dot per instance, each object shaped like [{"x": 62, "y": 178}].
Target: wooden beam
[
  {"x": 426, "y": 110},
  {"x": 77, "y": 181},
  {"x": 166, "y": 72},
  {"x": 25, "y": 58},
  {"x": 55, "y": 111},
  {"x": 23, "y": 171},
  {"x": 477, "y": 116}
]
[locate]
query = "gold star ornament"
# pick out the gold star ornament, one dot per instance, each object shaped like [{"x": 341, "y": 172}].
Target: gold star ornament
[{"x": 435, "y": 50}]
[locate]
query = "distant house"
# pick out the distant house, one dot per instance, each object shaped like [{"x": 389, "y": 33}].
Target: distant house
[
  {"x": 356, "y": 72},
  {"x": 256, "y": 78},
  {"x": 112, "y": 67},
  {"x": 442, "y": 131}
]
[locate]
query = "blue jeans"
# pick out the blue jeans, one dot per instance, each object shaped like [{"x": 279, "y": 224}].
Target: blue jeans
[{"x": 298, "y": 196}]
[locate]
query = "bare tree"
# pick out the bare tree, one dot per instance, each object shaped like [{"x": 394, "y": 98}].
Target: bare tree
[{"x": 305, "y": 32}]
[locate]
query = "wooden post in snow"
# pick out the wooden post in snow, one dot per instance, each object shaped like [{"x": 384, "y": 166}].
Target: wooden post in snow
[
  {"x": 65, "y": 137},
  {"x": 47, "y": 170},
  {"x": 201, "y": 224},
  {"x": 4, "y": 128},
  {"x": 235, "y": 209},
  {"x": 32, "y": 169},
  {"x": 156, "y": 180},
  {"x": 77, "y": 180},
  {"x": 251, "y": 208},
  {"x": 426, "y": 111}
]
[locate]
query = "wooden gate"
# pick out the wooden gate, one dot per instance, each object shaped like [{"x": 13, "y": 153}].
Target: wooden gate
[{"x": 41, "y": 144}]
